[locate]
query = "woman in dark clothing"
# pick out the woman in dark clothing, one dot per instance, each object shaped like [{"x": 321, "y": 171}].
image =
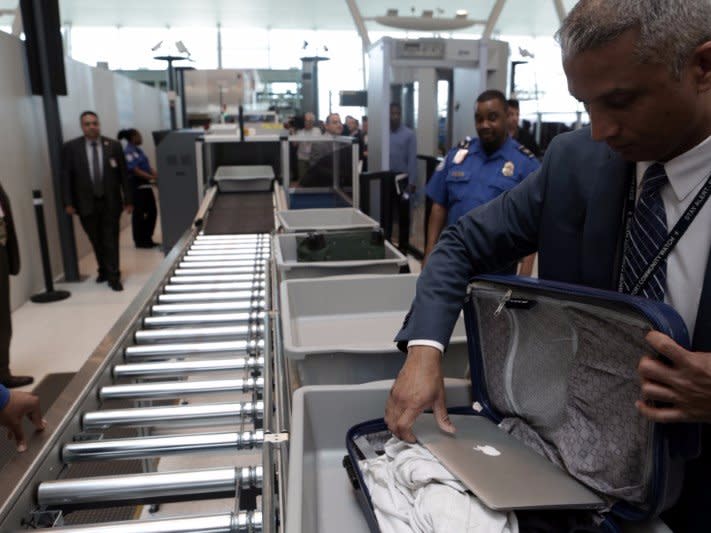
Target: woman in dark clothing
[{"x": 141, "y": 176}]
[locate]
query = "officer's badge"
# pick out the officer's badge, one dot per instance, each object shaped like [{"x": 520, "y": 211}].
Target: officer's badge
[{"x": 508, "y": 169}]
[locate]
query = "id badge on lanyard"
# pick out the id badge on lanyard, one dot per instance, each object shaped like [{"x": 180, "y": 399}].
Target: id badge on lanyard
[{"x": 672, "y": 239}]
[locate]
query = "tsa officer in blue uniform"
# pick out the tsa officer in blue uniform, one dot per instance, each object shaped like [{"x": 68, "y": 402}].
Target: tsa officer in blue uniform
[
  {"x": 143, "y": 221},
  {"x": 478, "y": 170}
]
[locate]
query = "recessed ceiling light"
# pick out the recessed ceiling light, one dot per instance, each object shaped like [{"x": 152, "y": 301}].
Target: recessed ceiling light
[{"x": 461, "y": 13}]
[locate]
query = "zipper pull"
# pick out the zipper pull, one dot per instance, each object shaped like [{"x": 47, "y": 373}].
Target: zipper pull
[{"x": 505, "y": 298}]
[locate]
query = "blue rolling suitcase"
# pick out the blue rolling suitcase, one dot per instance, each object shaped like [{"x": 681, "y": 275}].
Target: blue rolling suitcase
[{"x": 555, "y": 366}]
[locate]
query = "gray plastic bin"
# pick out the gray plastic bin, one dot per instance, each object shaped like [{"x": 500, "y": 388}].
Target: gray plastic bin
[
  {"x": 340, "y": 330},
  {"x": 320, "y": 498},
  {"x": 289, "y": 268},
  {"x": 244, "y": 178},
  {"x": 300, "y": 220}
]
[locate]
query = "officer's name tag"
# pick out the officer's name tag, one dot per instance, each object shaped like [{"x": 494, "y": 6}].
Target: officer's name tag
[
  {"x": 460, "y": 155},
  {"x": 112, "y": 162},
  {"x": 457, "y": 174}
]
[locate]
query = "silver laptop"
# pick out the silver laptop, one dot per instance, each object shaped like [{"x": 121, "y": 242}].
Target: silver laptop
[{"x": 500, "y": 470}]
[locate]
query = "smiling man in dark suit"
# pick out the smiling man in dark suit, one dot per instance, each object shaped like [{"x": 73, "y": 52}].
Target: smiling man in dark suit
[
  {"x": 643, "y": 71},
  {"x": 95, "y": 186}
]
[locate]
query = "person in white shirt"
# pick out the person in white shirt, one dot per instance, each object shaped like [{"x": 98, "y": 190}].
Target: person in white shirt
[
  {"x": 303, "y": 150},
  {"x": 643, "y": 71}
]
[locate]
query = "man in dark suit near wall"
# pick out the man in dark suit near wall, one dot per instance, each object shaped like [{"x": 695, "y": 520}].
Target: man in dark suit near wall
[
  {"x": 95, "y": 186},
  {"x": 9, "y": 265},
  {"x": 643, "y": 71}
]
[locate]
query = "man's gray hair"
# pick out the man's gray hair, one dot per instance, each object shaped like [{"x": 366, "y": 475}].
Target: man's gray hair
[{"x": 669, "y": 30}]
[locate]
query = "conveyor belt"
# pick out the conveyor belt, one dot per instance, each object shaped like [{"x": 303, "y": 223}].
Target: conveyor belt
[
  {"x": 239, "y": 213},
  {"x": 199, "y": 333}
]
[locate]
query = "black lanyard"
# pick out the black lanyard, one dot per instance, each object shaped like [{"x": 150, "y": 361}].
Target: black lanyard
[{"x": 674, "y": 237}]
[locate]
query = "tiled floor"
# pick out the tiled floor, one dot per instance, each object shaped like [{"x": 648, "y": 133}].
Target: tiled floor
[{"x": 60, "y": 336}]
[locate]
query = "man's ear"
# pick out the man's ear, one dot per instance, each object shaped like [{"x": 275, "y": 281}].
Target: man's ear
[{"x": 701, "y": 66}]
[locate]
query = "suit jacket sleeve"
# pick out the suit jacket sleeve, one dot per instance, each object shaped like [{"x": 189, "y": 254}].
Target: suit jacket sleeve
[{"x": 486, "y": 239}]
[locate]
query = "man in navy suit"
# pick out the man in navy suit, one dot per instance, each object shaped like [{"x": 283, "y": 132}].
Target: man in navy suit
[
  {"x": 643, "y": 71},
  {"x": 95, "y": 187}
]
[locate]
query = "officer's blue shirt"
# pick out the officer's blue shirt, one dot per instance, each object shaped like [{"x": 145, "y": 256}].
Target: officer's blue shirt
[
  {"x": 136, "y": 158},
  {"x": 479, "y": 178}
]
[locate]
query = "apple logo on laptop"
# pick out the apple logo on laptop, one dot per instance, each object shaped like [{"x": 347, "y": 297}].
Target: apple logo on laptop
[{"x": 487, "y": 450}]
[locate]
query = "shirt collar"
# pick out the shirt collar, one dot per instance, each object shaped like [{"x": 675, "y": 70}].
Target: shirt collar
[
  {"x": 88, "y": 141},
  {"x": 498, "y": 154},
  {"x": 688, "y": 170}
]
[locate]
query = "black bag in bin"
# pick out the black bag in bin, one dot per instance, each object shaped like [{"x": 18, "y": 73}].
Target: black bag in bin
[
  {"x": 350, "y": 245},
  {"x": 572, "y": 372}
]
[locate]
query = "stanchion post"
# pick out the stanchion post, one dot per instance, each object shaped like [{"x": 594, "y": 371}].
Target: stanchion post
[{"x": 50, "y": 295}]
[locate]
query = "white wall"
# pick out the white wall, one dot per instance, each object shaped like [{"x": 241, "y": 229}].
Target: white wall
[{"x": 24, "y": 161}]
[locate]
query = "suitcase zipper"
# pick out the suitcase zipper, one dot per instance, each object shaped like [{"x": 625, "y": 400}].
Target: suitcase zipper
[{"x": 502, "y": 302}]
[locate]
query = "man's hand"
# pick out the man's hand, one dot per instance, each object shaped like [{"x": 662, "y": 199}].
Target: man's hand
[
  {"x": 418, "y": 386},
  {"x": 70, "y": 210},
  {"x": 21, "y": 404},
  {"x": 684, "y": 385}
]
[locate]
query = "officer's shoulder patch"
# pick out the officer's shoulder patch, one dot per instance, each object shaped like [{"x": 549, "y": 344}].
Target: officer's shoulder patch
[{"x": 525, "y": 151}]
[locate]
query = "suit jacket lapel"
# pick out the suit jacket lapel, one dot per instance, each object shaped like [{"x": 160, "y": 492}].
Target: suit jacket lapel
[
  {"x": 84, "y": 158},
  {"x": 601, "y": 257}
]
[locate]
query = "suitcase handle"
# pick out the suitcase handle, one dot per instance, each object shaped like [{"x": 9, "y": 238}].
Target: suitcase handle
[{"x": 350, "y": 470}]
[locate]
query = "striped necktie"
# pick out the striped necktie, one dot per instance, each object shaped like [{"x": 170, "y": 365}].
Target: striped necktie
[{"x": 648, "y": 231}]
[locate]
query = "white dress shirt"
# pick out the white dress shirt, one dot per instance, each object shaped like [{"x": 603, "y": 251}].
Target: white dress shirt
[{"x": 686, "y": 264}]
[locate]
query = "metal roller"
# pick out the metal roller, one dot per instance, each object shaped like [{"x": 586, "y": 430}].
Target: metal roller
[
  {"x": 231, "y": 237},
  {"x": 229, "y": 249},
  {"x": 154, "y": 487},
  {"x": 242, "y": 522},
  {"x": 207, "y": 307},
  {"x": 217, "y": 278},
  {"x": 256, "y": 268},
  {"x": 145, "y": 447},
  {"x": 234, "y": 263},
  {"x": 253, "y": 294},
  {"x": 210, "y": 249},
  {"x": 245, "y": 237},
  {"x": 205, "y": 318},
  {"x": 182, "y": 368},
  {"x": 226, "y": 257},
  {"x": 225, "y": 286},
  {"x": 171, "y": 416},
  {"x": 234, "y": 240},
  {"x": 197, "y": 348},
  {"x": 178, "y": 389},
  {"x": 198, "y": 333}
]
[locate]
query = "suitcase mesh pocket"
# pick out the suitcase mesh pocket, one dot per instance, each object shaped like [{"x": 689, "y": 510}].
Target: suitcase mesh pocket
[{"x": 563, "y": 378}]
